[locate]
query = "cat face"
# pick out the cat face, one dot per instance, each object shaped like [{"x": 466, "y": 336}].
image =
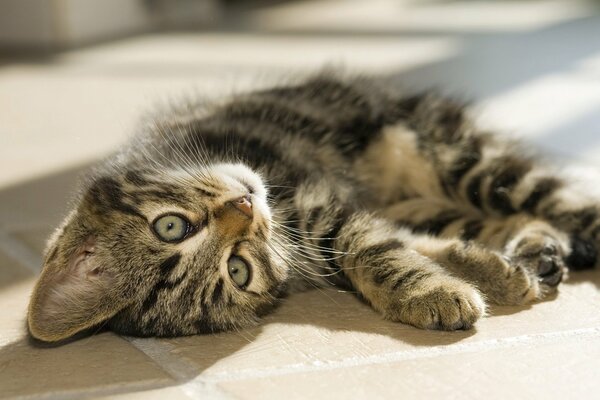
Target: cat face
[{"x": 161, "y": 254}]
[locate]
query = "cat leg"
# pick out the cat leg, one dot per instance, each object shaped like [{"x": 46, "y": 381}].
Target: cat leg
[
  {"x": 497, "y": 177},
  {"x": 505, "y": 187},
  {"x": 502, "y": 280},
  {"x": 517, "y": 242},
  {"x": 381, "y": 264}
]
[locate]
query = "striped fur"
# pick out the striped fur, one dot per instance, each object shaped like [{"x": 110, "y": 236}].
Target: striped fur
[{"x": 399, "y": 199}]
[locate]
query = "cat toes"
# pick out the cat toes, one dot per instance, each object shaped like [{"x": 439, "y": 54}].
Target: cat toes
[
  {"x": 550, "y": 266},
  {"x": 449, "y": 307},
  {"x": 543, "y": 256}
]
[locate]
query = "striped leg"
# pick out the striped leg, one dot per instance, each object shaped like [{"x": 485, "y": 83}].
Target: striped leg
[
  {"x": 497, "y": 178},
  {"x": 375, "y": 258},
  {"x": 507, "y": 186},
  {"x": 522, "y": 240},
  {"x": 382, "y": 264}
]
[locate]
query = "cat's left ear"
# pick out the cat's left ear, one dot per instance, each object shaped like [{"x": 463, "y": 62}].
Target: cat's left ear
[{"x": 74, "y": 292}]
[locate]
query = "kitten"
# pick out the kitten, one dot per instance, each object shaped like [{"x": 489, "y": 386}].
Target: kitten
[{"x": 212, "y": 214}]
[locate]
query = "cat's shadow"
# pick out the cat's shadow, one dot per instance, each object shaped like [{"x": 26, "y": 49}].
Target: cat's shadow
[{"x": 306, "y": 325}]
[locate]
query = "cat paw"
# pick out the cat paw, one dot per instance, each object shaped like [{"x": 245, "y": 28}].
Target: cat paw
[
  {"x": 453, "y": 305},
  {"x": 543, "y": 256}
]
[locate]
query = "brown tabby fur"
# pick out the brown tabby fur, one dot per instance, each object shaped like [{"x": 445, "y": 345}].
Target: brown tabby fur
[{"x": 400, "y": 199}]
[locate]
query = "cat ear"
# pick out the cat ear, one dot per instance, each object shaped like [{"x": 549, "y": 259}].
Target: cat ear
[{"x": 74, "y": 292}]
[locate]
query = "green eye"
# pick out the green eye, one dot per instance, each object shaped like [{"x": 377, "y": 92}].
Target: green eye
[
  {"x": 171, "y": 228},
  {"x": 238, "y": 271}
]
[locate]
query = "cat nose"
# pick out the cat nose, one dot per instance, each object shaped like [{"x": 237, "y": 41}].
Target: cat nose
[{"x": 243, "y": 204}]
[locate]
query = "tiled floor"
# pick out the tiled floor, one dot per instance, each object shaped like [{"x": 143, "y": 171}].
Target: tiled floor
[{"x": 534, "y": 68}]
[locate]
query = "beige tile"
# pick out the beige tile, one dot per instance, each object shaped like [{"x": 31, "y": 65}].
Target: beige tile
[
  {"x": 316, "y": 328},
  {"x": 398, "y": 16},
  {"x": 34, "y": 238},
  {"x": 11, "y": 271},
  {"x": 87, "y": 102},
  {"x": 14, "y": 299},
  {"x": 565, "y": 368},
  {"x": 194, "y": 56},
  {"x": 100, "y": 363},
  {"x": 40, "y": 203},
  {"x": 94, "y": 364},
  {"x": 169, "y": 393}
]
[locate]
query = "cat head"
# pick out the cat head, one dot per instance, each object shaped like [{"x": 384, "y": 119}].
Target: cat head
[{"x": 160, "y": 253}]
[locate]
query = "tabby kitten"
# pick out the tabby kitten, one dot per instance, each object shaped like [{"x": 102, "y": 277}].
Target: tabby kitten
[{"x": 213, "y": 213}]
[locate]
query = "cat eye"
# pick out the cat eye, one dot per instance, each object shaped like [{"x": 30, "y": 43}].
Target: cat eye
[
  {"x": 238, "y": 271},
  {"x": 172, "y": 228}
]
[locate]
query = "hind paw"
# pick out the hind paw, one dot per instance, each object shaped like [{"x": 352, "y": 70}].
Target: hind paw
[{"x": 542, "y": 254}]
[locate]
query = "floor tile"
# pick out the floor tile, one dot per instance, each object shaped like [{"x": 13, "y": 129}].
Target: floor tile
[
  {"x": 34, "y": 238},
  {"x": 39, "y": 203},
  {"x": 404, "y": 16},
  {"x": 102, "y": 362},
  {"x": 11, "y": 271},
  {"x": 170, "y": 393},
  {"x": 88, "y": 365},
  {"x": 562, "y": 369},
  {"x": 14, "y": 299},
  {"x": 327, "y": 327},
  {"x": 103, "y": 91}
]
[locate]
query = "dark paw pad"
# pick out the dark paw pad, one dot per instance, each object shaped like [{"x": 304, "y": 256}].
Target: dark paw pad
[
  {"x": 542, "y": 256},
  {"x": 550, "y": 270}
]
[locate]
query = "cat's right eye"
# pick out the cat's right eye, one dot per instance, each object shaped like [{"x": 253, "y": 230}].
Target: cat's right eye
[{"x": 172, "y": 228}]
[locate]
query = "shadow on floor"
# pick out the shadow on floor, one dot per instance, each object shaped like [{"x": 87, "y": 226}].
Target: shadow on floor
[
  {"x": 29, "y": 212},
  {"x": 58, "y": 366}
]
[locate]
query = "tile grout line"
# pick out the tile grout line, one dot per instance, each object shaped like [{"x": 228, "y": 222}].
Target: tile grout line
[
  {"x": 183, "y": 372},
  {"x": 19, "y": 252},
  {"x": 461, "y": 348}
]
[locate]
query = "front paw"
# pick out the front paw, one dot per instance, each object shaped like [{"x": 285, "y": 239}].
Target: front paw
[{"x": 448, "y": 305}]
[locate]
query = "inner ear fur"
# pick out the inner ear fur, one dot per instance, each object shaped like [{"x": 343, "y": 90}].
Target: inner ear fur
[{"x": 74, "y": 292}]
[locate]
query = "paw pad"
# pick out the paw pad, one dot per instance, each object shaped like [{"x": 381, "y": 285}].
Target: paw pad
[{"x": 542, "y": 256}]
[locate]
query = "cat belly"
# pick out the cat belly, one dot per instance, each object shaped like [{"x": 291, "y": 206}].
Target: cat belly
[{"x": 395, "y": 169}]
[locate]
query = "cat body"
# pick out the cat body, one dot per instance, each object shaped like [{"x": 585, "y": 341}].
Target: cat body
[{"x": 212, "y": 214}]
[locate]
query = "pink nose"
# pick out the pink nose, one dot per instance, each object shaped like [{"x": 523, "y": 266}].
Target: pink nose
[{"x": 243, "y": 204}]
